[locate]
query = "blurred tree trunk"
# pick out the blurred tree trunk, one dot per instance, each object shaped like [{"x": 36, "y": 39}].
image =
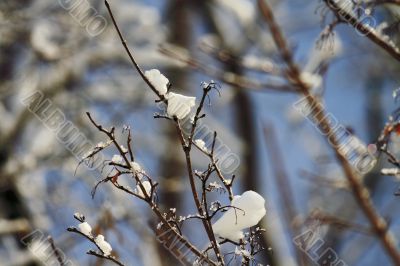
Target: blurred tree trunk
[
  {"x": 171, "y": 168},
  {"x": 374, "y": 124},
  {"x": 374, "y": 120},
  {"x": 12, "y": 205},
  {"x": 171, "y": 164}
]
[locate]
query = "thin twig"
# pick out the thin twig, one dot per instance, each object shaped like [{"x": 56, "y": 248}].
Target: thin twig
[
  {"x": 135, "y": 64},
  {"x": 147, "y": 198},
  {"x": 94, "y": 253},
  {"x": 92, "y": 239},
  {"x": 56, "y": 251},
  {"x": 200, "y": 208}
]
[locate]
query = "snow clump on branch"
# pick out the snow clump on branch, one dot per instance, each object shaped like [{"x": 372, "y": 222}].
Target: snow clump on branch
[
  {"x": 146, "y": 186},
  {"x": 85, "y": 228},
  {"x": 179, "y": 105},
  {"x": 246, "y": 211},
  {"x": 104, "y": 246},
  {"x": 159, "y": 81}
]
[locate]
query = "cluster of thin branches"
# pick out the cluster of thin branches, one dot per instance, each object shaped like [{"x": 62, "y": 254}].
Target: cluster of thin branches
[
  {"x": 169, "y": 221},
  {"x": 290, "y": 73}
]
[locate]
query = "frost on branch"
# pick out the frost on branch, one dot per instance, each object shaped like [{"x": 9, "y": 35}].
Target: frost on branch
[
  {"x": 179, "y": 105},
  {"x": 123, "y": 149},
  {"x": 136, "y": 167},
  {"x": 147, "y": 187},
  {"x": 159, "y": 81},
  {"x": 247, "y": 210},
  {"x": 201, "y": 144},
  {"x": 117, "y": 159}
]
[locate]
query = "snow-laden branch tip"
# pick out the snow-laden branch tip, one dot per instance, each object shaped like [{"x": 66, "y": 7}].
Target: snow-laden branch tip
[
  {"x": 179, "y": 105},
  {"x": 248, "y": 209},
  {"x": 85, "y": 228},
  {"x": 159, "y": 81},
  {"x": 104, "y": 246}
]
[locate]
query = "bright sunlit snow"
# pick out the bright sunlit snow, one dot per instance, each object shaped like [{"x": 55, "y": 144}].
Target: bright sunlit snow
[
  {"x": 201, "y": 144},
  {"x": 117, "y": 159},
  {"x": 179, "y": 105},
  {"x": 147, "y": 187},
  {"x": 158, "y": 80},
  {"x": 248, "y": 211},
  {"x": 103, "y": 245},
  {"x": 85, "y": 228},
  {"x": 136, "y": 167}
]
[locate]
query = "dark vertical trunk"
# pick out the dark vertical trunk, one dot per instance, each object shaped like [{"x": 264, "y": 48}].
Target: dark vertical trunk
[{"x": 171, "y": 168}]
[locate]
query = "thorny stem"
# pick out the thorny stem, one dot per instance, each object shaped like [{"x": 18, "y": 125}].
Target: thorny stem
[{"x": 360, "y": 193}]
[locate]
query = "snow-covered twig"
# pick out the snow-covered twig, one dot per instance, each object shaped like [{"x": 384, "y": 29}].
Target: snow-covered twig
[
  {"x": 178, "y": 107},
  {"x": 147, "y": 194},
  {"x": 105, "y": 254}
]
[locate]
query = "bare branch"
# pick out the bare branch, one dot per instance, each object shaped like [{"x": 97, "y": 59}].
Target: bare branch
[{"x": 360, "y": 192}]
